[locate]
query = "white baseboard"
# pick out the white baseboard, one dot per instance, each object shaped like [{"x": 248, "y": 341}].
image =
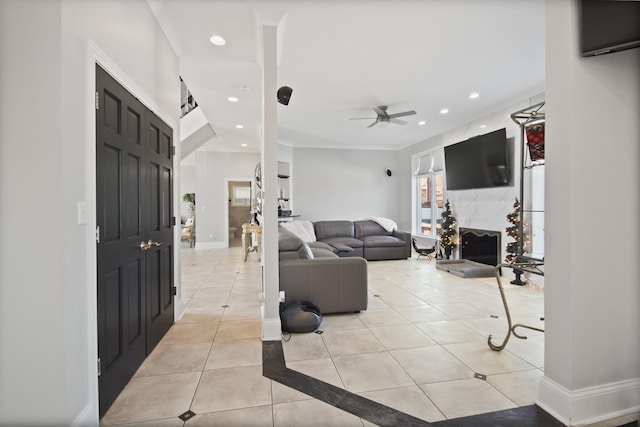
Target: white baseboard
[
  {"x": 590, "y": 404},
  {"x": 87, "y": 417},
  {"x": 178, "y": 308},
  {"x": 271, "y": 330},
  {"x": 211, "y": 245}
]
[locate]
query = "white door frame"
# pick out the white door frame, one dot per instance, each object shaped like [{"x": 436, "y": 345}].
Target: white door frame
[{"x": 94, "y": 56}]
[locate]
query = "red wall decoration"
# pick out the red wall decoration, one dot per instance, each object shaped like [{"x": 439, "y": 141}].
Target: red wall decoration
[{"x": 535, "y": 141}]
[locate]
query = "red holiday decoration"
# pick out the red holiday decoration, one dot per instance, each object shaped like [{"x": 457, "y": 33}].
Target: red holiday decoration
[{"x": 535, "y": 141}]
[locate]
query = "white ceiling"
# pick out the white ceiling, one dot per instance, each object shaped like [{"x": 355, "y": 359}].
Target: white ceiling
[{"x": 342, "y": 58}]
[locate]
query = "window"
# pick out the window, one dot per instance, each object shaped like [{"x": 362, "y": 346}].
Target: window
[
  {"x": 241, "y": 196},
  {"x": 429, "y": 200}
]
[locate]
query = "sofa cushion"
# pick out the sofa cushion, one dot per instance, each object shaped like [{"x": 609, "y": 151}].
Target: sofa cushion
[
  {"x": 328, "y": 229},
  {"x": 321, "y": 245},
  {"x": 288, "y": 255},
  {"x": 369, "y": 228},
  {"x": 341, "y": 247},
  {"x": 382, "y": 242},
  {"x": 287, "y": 241},
  {"x": 323, "y": 253},
  {"x": 304, "y": 252},
  {"x": 349, "y": 241},
  {"x": 303, "y": 229}
]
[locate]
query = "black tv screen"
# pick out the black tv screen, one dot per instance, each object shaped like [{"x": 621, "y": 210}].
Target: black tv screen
[
  {"x": 478, "y": 162},
  {"x": 608, "y": 26}
]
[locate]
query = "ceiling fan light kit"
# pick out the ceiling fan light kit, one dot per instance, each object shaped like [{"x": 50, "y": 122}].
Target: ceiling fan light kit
[{"x": 383, "y": 118}]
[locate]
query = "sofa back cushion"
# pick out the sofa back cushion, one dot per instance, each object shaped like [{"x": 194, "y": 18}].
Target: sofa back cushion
[
  {"x": 302, "y": 229},
  {"x": 370, "y": 228},
  {"x": 287, "y": 241},
  {"x": 327, "y": 229}
]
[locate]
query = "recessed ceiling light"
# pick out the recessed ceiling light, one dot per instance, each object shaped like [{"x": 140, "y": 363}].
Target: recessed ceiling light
[
  {"x": 218, "y": 40},
  {"x": 474, "y": 95},
  {"x": 243, "y": 145},
  {"x": 483, "y": 126},
  {"x": 444, "y": 111},
  {"x": 239, "y": 127},
  {"x": 422, "y": 123},
  {"x": 232, "y": 99}
]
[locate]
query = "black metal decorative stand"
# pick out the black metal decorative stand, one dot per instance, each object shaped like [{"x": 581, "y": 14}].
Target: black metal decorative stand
[
  {"x": 518, "y": 280},
  {"x": 523, "y": 118},
  {"x": 521, "y": 263},
  {"x": 525, "y": 264}
]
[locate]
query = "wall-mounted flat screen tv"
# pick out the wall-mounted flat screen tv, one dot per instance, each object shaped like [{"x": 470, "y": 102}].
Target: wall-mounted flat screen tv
[
  {"x": 478, "y": 162},
  {"x": 608, "y": 26}
]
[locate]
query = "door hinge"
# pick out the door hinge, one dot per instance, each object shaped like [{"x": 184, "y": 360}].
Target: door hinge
[
  {"x": 173, "y": 220},
  {"x": 99, "y": 367},
  {"x": 175, "y": 291},
  {"x": 97, "y": 101},
  {"x": 98, "y": 234},
  {"x": 173, "y": 150}
]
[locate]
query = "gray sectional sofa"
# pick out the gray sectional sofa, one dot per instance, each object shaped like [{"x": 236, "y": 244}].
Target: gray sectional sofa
[
  {"x": 326, "y": 262},
  {"x": 311, "y": 272},
  {"x": 366, "y": 239}
]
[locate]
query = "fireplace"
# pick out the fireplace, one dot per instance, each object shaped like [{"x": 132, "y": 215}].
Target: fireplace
[{"x": 483, "y": 246}]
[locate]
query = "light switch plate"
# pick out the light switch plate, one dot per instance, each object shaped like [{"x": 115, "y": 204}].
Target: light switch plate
[{"x": 83, "y": 213}]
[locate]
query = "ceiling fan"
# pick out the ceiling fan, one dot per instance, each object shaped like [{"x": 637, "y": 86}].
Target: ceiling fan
[{"x": 386, "y": 118}]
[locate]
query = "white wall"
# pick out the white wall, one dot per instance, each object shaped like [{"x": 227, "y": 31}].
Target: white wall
[
  {"x": 32, "y": 248},
  {"x": 344, "y": 184},
  {"x": 592, "y": 293},
  {"x": 212, "y": 168},
  {"x": 48, "y": 353}
]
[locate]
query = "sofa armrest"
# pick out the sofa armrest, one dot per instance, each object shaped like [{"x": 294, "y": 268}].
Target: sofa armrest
[
  {"x": 406, "y": 236},
  {"x": 336, "y": 285}
]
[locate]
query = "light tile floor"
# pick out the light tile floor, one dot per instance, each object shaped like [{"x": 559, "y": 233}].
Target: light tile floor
[
  {"x": 423, "y": 339},
  {"x": 417, "y": 348}
]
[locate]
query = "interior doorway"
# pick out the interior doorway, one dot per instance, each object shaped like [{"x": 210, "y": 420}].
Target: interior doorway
[{"x": 239, "y": 209}]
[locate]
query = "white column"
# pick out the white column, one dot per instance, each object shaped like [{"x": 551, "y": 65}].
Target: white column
[
  {"x": 592, "y": 291},
  {"x": 271, "y": 328}
]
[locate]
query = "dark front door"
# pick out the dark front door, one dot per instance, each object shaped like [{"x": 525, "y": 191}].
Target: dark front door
[{"x": 135, "y": 239}]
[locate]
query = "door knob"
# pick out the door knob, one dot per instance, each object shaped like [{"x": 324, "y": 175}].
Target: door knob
[{"x": 146, "y": 246}]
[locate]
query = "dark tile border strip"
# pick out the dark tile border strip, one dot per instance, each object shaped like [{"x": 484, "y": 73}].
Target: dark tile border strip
[
  {"x": 274, "y": 368},
  {"x": 523, "y": 416}
]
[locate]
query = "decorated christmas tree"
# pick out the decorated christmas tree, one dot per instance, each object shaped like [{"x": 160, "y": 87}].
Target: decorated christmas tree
[
  {"x": 448, "y": 231},
  {"x": 513, "y": 231}
]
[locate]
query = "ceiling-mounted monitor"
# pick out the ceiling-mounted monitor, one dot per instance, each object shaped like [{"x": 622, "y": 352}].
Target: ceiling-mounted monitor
[{"x": 608, "y": 26}]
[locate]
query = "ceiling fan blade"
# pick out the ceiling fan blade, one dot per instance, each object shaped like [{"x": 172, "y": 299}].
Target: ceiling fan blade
[
  {"x": 380, "y": 112},
  {"x": 398, "y": 122},
  {"x": 362, "y": 118},
  {"x": 405, "y": 113},
  {"x": 373, "y": 124}
]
